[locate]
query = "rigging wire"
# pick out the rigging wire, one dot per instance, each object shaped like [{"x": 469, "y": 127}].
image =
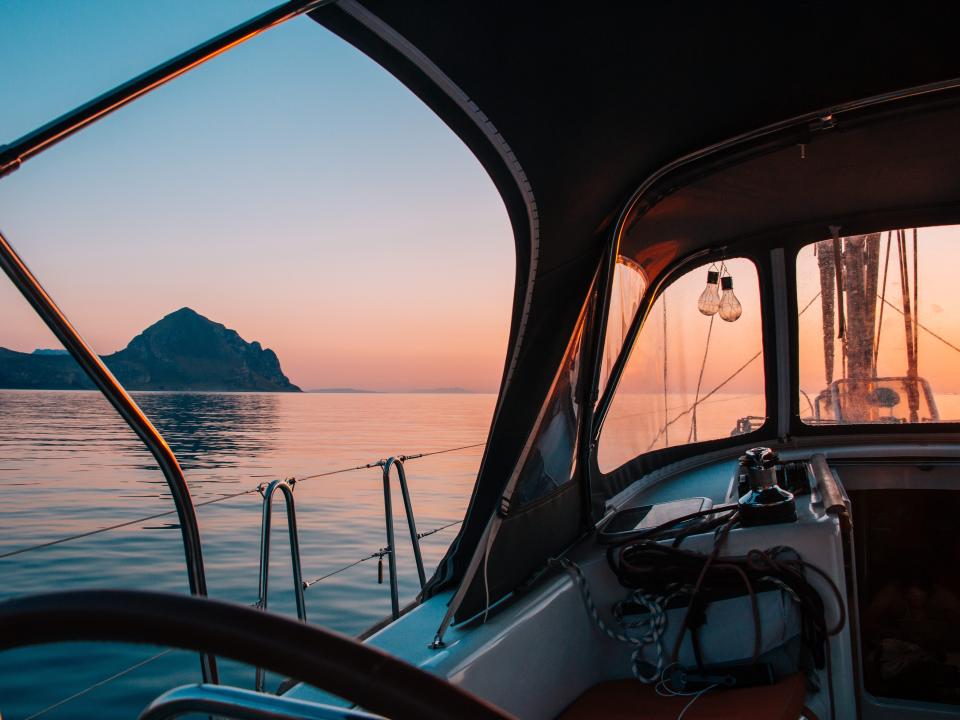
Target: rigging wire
[
  {"x": 680, "y": 406},
  {"x": 883, "y": 298},
  {"x": 924, "y": 327},
  {"x": 716, "y": 389},
  {"x": 666, "y": 435},
  {"x": 696, "y": 399},
  {"x": 916, "y": 301}
]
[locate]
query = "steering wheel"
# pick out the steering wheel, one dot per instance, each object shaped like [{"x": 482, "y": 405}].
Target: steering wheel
[{"x": 325, "y": 659}]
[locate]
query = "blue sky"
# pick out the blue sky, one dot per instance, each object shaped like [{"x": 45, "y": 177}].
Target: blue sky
[{"x": 291, "y": 189}]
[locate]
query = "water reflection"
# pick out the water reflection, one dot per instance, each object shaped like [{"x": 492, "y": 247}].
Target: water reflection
[
  {"x": 74, "y": 443},
  {"x": 86, "y": 469},
  {"x": 213, "y": 430}
]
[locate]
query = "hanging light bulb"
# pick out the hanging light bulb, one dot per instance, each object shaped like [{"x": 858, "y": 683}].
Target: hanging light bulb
[
  {"x": 709, "y": 301},
  {"x": 730, "y": 307}
]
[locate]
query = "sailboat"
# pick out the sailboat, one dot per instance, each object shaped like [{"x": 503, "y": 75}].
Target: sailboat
[{"x": 801, "y": 566}]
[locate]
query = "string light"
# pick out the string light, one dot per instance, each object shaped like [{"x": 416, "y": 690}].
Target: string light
[
  {"x": 709, "y": 301},
  {"x": 730, "y": 307}
]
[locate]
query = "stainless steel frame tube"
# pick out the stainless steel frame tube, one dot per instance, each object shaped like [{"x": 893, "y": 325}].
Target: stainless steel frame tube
[
  {"x": 268, "y": 492},
  {"x": 14, "y": 154},
  {"x": 411, "y": 521},
  {"x": 391, "y": 544},
  {"x": 93, "y": 366}
]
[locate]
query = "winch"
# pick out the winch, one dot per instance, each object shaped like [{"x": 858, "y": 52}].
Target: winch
[{"x": 765, "y": 502}]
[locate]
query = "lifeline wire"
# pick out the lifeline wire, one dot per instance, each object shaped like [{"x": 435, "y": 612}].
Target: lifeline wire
[
  {"x": 212, "y": 501},
  {"x": 99, "y": 683},
  {"x": 78, "y": 536},
  {"x": 221, "y": 498},
  {"x": 378, "y": 554},
  {"x": 150, "y": 659}
]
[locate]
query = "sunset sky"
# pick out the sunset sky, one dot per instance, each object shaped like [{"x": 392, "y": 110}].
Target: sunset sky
[
  {"x": 290, "y": 189},
  {"x": 294, "y": 191}
]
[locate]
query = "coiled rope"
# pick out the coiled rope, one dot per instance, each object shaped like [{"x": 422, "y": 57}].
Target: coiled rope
[{"x": 653, "y": 627}]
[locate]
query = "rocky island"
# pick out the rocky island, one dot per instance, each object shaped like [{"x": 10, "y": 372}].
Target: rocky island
[{"x": 183, "y": 351}]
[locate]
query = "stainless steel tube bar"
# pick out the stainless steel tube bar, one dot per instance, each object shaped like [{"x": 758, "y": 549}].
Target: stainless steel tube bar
[
  {"x": 14, "y": 154},
  {"x": 387, "y": 464},
  {"x": 391, "y": 544},
  {"x": 831, "y": 494},
  {"x": 230, "y": 702},
  {"x": 93, "y": 366},
  {"x": 411, "y": 521},
  {"x": 287, "y": 492}
]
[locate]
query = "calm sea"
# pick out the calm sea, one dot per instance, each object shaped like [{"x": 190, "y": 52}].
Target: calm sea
[{"x": 68, "y": 465}]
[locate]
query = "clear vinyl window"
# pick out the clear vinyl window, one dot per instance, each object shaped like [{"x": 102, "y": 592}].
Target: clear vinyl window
[
  {"x": 878, "y": 326},
  {"x": 695, "y": 372}
]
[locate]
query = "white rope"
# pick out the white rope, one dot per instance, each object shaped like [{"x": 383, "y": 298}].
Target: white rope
[{"x": 653, "y": 626}]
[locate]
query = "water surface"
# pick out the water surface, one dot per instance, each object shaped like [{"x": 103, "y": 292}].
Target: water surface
[{"x": 68, "y": 464}]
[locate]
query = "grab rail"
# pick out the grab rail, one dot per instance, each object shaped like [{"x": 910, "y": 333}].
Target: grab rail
[
  {"x": 397, "y": 461},
  {"x": 832, "y": 495},
  {"x": 220, "y": 701},
  {"x": 286, "y": 489}
]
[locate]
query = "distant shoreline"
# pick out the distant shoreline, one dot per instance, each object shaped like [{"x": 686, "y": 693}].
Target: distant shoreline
[
  {"x": 322, "y": 391},
  {"x": 361, "y": 391}
]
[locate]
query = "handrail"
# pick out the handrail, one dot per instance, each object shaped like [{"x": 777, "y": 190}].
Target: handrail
[
  {"x": 408, "y": 508},
  {"x": 391, "y": 545},
  {"x": 286, "y": 489},
  {"x": 231, "y": 702},
  {"x": 397, "y": 461},
  {"x": 831, "y": 493},
  {"x": 127, "y": 408}
]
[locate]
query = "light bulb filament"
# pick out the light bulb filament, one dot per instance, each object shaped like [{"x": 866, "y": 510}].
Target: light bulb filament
[
  {"x": 730, "y": 307},
  {"x": 709, "y": 301}
]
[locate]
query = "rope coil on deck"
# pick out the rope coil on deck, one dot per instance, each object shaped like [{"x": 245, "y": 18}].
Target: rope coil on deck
[{"x": 655, "y": 625}]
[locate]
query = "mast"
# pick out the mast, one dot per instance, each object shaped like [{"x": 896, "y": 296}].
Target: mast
[
  {"x": 824, "y": 250},
  {"x": 913, "y": 393},
  {"x": 848, "y": 284},
  {"x": 871, "y": 276}
]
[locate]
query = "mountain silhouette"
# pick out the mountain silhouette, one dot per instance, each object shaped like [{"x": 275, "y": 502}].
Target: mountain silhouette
[{"x": 182, "y": 351}]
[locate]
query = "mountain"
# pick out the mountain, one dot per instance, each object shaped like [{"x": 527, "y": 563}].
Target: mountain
[{"x": 183, "y": 351}]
